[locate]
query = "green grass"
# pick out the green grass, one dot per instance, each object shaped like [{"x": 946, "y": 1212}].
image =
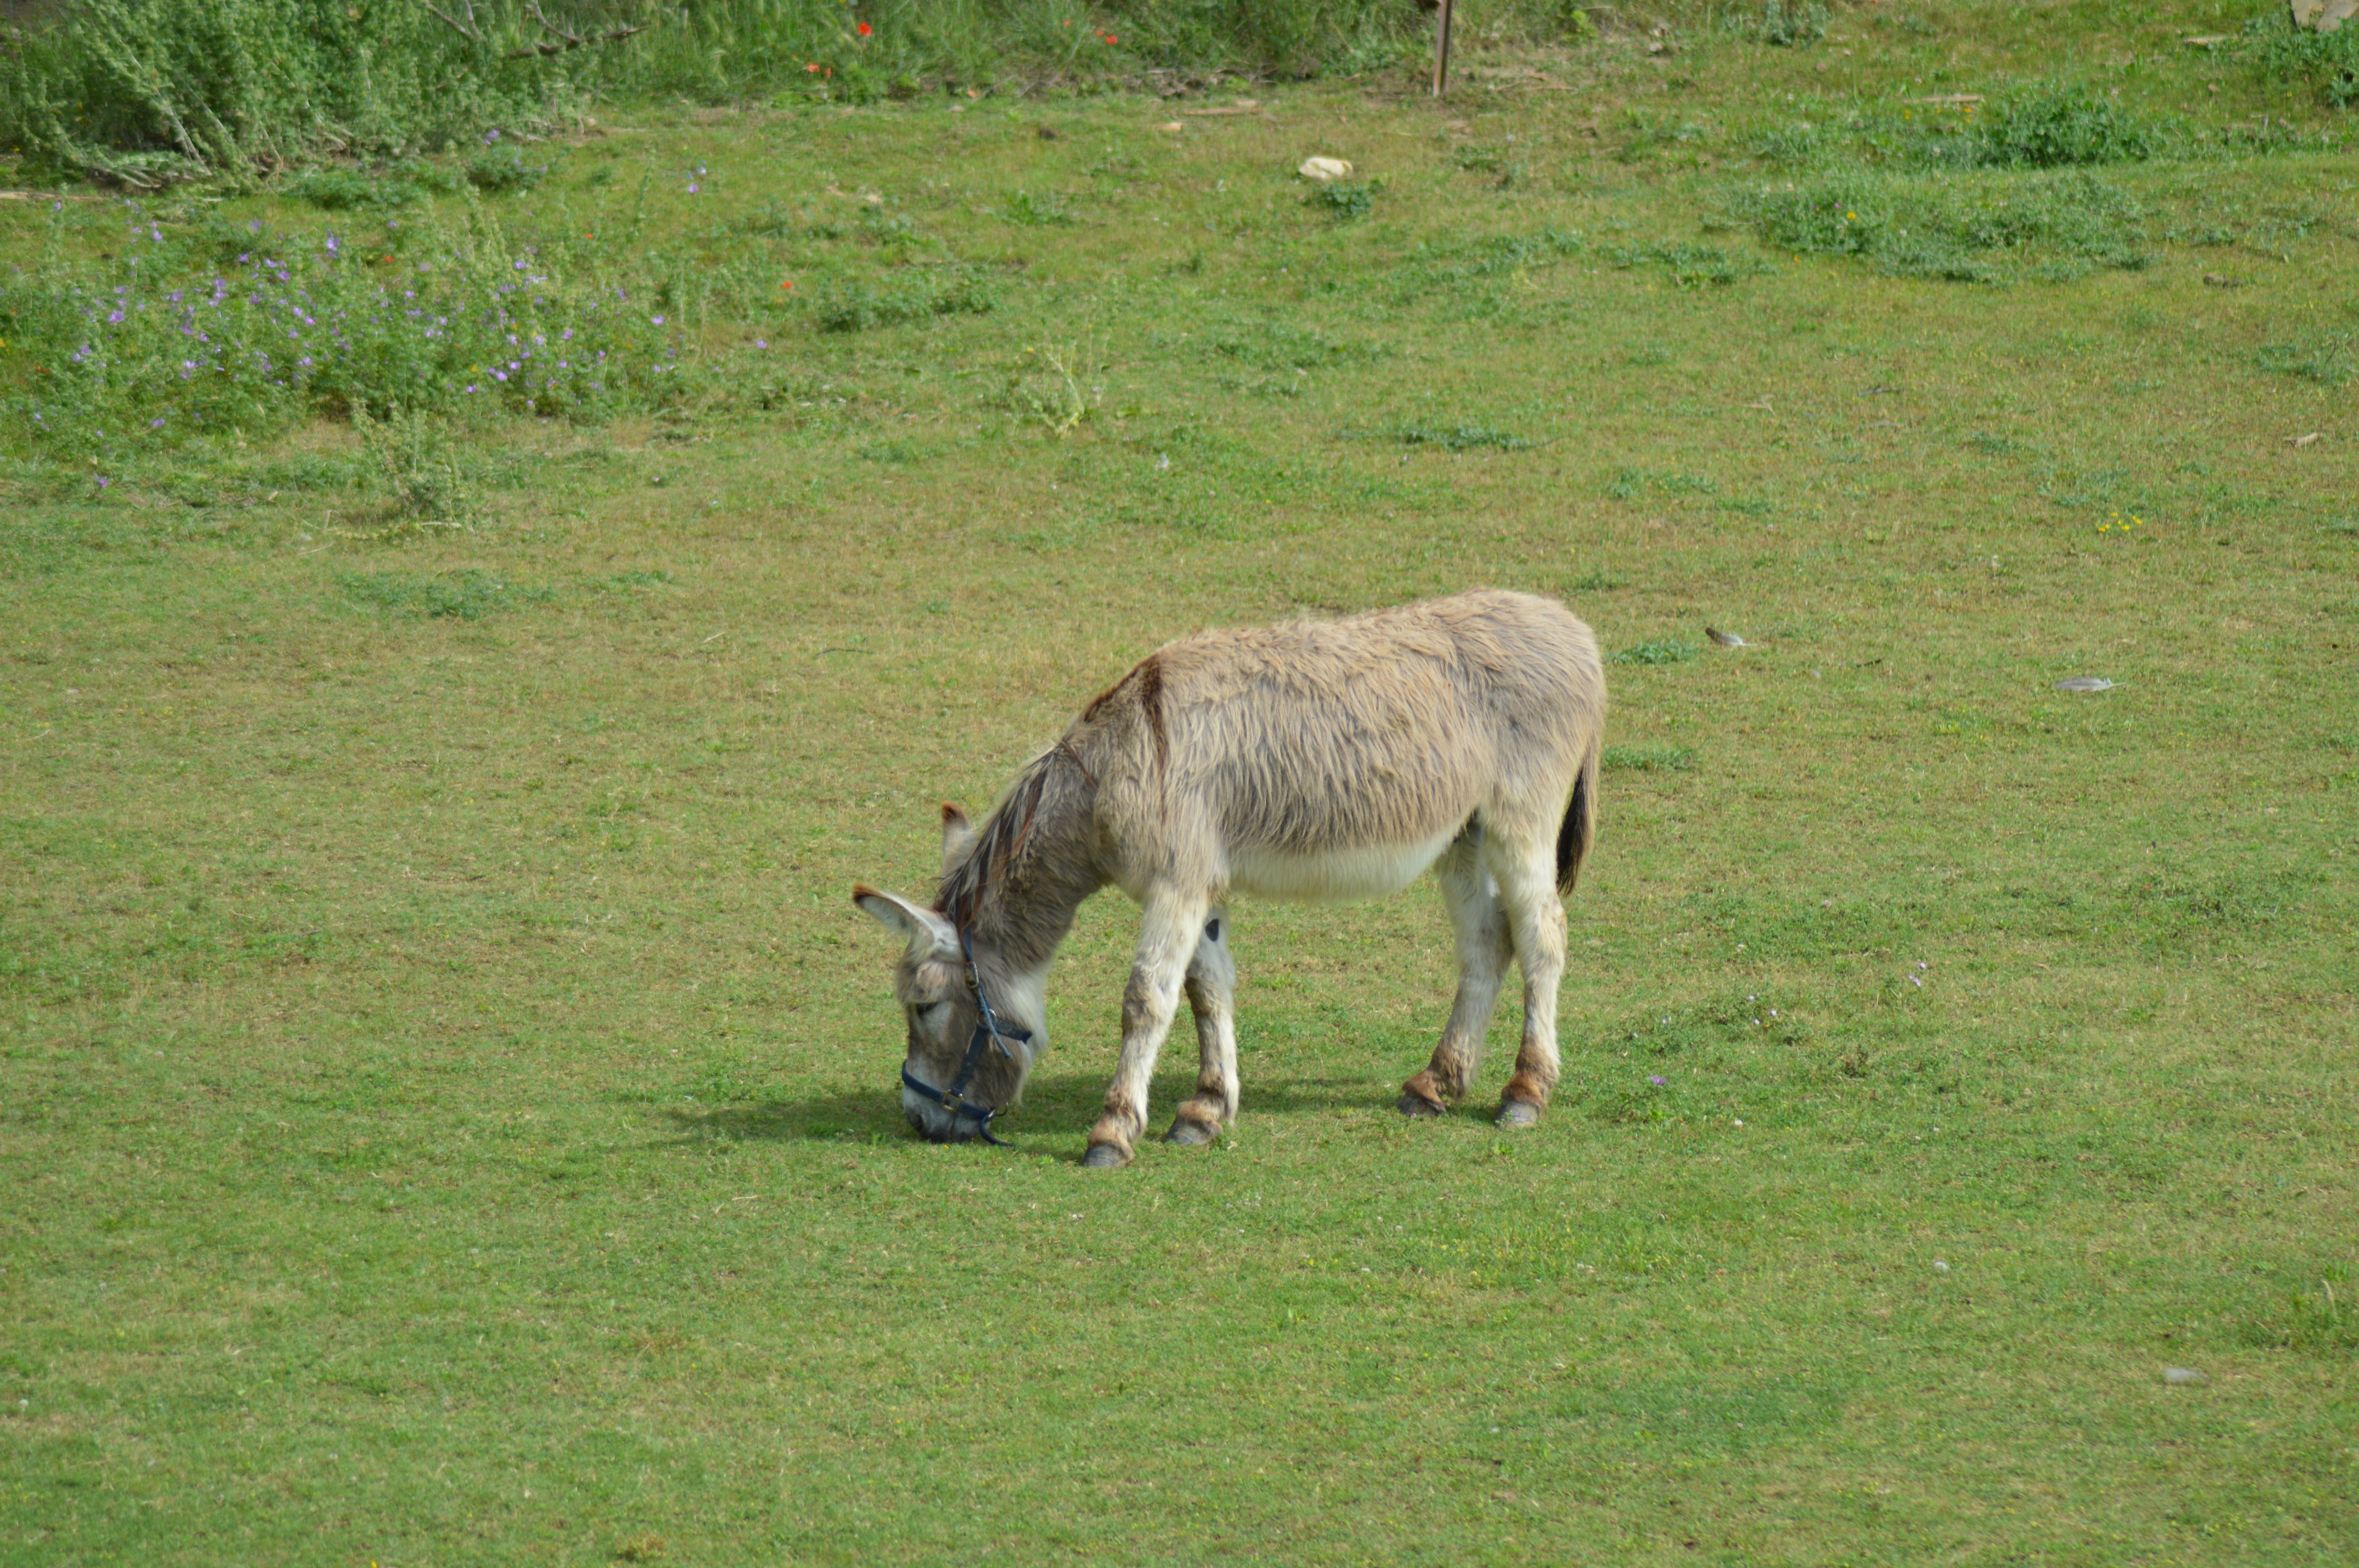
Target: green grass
[{"x": 447, "y": 1095}]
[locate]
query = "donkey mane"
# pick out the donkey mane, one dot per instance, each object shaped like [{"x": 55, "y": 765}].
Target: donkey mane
[{"x": 1001, "y": 841}]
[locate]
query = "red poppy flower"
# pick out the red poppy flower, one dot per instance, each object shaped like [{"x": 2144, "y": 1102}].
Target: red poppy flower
[
  {"x": 864, "y": 30},
  {"x": 1107, "y": 37},
  {"x": 813, "y": 67}
]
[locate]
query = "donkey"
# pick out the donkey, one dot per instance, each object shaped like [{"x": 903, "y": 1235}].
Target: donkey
[{"x": 1309, "y": 760}]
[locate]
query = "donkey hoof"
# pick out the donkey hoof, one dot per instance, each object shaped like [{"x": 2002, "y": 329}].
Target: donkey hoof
[
  {"x": 1418, "y": 1104},
  {"x": 1517, "y": 1113},
  {"x": 1189, "y": 1132},
  {"x": 1106, "y": 1157}
]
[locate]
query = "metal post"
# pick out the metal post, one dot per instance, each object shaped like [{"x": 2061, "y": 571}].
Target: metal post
[{"x": 1441, "y": 50}]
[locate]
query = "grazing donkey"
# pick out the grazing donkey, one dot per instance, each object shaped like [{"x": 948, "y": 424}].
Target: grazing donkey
[{"x": 1317, "y": 759}]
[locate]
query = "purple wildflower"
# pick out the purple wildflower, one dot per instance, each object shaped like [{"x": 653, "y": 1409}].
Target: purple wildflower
[{"x": 1652, "y": 1079}]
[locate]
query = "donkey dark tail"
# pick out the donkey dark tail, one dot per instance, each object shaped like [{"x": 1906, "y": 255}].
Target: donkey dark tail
[{"x": 1580, "y": 829}]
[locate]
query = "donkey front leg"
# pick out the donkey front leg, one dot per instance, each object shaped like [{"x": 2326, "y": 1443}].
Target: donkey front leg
[
  {"x": 1212, "y": 996},
  {"x": 1166, "y": 941}
]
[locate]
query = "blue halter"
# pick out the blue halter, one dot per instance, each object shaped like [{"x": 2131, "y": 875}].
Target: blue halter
[{"x": 988, "y": 1030}]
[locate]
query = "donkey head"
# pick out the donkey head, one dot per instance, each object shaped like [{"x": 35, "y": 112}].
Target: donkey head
[{"x": 931, "y": 983}]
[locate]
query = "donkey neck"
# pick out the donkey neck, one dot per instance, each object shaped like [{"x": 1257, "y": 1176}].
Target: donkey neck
[
  {"x": 1022, "y": 920},
  {"x": 1031, "y": 866}
]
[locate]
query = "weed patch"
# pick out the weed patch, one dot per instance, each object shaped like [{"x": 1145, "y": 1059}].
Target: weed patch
[
  {"x": 1443, "y": 264},
  {"x": 420, "y": 466},
  {"x": 853, "y": 307},
  {"x": 174, "y": 339},
  {"x": 1460, "y": 439},
  {"x": 1782, "y": 24},
  {"x": 1277, "y": 344},
  {"x": 1629, "y": 484},
  {"x": 1648, "y": 759},
  {"x": 2322, "y": 1319},
  {"x": 1343, "y": 200},
  {"x": 2330, "y": 359},
  {"x": 1973, "y": 229},
  {"x": 1669, "y": 651},
  {"x": 467, "y": 595},
  {"x": 1035, "y": 211},
  {"x": 1690, "y": 266}
]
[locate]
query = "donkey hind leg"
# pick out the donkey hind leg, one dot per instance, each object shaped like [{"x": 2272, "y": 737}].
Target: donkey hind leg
[
  {"x": 1526, "y": 875},
  {"x": 1485, "y": 948},
  {"x": 1167, "y": 938},
  {"x": 1211, "y": 994}
]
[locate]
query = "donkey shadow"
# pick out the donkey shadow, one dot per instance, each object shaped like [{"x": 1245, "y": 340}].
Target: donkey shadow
[{"x": 1057, "y": 1106}]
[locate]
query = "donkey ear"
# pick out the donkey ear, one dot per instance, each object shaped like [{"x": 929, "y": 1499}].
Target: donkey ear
[
  {"x": 920, "y": 928},
  {"x": 957, "y": 837}
]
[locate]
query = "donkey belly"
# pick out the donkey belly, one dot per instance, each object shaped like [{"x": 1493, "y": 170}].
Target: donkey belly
[{"x": 1368, "y": 870}]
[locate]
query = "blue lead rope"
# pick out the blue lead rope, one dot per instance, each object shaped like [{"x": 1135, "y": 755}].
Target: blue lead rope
[{"x": 988, "y": 1030}]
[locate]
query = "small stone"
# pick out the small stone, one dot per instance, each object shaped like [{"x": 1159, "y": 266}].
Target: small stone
[
  {"x": 2085, "y": 683},
  {"x": 2183, "y": 1376},
  {"x": 1940, "y": 1267},
  {"x": 1323, "y": 169}
]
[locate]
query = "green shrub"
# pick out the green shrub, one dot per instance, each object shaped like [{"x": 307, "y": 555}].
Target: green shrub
[
  {"x": 503, "y": 172},
  {"x": 2060, "y": 127},
  {"x": 345, "y": 189},
  {"x": 1342, "y": 199}
]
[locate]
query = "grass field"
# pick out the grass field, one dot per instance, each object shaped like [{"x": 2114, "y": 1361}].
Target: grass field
[{"x": 447, "y": 1096}]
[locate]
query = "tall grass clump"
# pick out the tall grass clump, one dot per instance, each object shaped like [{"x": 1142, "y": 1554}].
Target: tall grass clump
[
  {"x": 147, "y": 91},
  {"x": 143, "y": 92},
  {"x": 241, "y": 329},
  {"x": 728, "y": 48},
  {"x": 2327, "y": 62}
]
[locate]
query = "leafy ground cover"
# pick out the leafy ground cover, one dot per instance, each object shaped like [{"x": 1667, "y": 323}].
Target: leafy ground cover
[{"x": 447, "y": 1096}]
